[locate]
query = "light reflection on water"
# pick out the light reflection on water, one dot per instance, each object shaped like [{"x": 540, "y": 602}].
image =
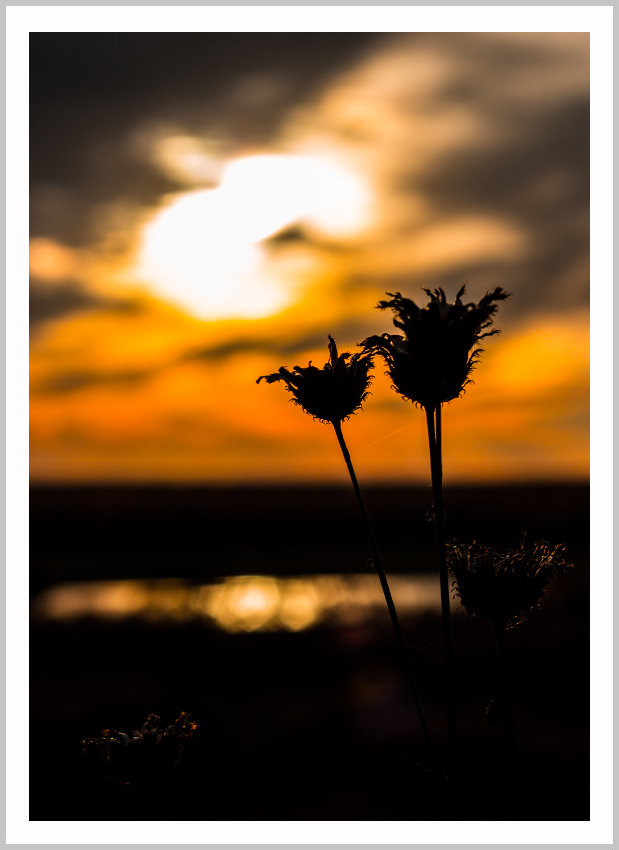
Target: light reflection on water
[{"x": 242, "y": 603}]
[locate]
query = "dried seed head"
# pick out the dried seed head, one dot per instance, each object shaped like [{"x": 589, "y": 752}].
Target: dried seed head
[
  {"x": 503, "y": 587},
  {"x": 432, "y": 361},
  {"x": 146, "y": 757},
  {"x": 332, "y": 393}
]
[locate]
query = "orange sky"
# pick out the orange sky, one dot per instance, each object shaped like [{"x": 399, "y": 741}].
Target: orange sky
[{"x": 385, "y": 180}]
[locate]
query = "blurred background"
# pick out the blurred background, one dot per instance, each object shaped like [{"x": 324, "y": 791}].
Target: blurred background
[{"x": 205, "y": 208}]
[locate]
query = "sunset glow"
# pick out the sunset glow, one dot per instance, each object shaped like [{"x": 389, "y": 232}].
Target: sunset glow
[
  {"x": 202, "y": 251},
  {"x": 148, "y": 335}
]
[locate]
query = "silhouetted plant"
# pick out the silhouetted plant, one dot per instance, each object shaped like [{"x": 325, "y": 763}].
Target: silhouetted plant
[
  {"x": 332, "y": 394},
  {"x": 146, "y": 759},
  {"x": 430, "y": 364},
  {"x": 503, "y": 587}
]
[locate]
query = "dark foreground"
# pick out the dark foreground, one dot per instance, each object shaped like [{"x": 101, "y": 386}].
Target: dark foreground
[{"x": 314, "y": 725}]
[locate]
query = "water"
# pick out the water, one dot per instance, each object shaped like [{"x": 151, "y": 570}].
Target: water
[{"x": 241, "y": 603}]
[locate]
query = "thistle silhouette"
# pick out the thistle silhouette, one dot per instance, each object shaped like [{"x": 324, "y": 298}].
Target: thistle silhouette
[
  {"x": 430, "y": 364},
  {"x": 332, "y": 394},
  {"x": 503, "y": 587},
  {"x": 146, "y": 759}
]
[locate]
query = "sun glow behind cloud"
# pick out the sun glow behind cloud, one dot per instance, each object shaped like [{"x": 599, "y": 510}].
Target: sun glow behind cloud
[{"x": 202, "y": 249}]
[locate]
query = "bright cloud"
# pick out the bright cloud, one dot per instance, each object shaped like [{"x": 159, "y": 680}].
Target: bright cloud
[{"x": 202, "y": 249}]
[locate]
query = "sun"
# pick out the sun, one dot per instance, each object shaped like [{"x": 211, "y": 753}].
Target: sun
[{"x": 203, "y": 249}]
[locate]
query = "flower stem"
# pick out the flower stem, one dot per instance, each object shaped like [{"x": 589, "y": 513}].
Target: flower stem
[
  {"x": 378, "y": 566},
  {"x": 500, "y": 632},
  {"x": 433, "y": 417}
]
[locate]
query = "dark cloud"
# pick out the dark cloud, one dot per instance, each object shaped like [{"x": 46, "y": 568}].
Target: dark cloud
[
  {"x": 528, "y": 165},
  {"x": 540, "y": 182},
  {"x": 553, "y": 145},
  {"x": 296, "y": 234},
  {"x": 156, "y": 67},
  {"x": 77, "y": 379},
  {"x": 53, "y": 300},
  {"x": 90, "y": 91},
  {"x": 229, "y": 349},
  {"x": 67, "y": 382},
  {"x": 344, "y": 331}
]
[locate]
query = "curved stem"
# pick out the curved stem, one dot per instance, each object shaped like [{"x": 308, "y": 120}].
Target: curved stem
[
  {"x": 378, "y": 566},
  {"x": 433, "y": 417}
]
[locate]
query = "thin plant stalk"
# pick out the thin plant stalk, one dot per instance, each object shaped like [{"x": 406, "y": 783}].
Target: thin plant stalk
[
  {"x": 378, "y": 566},
  {"x": 500, "y": 632},
  {"x": 433, "y": 417}
]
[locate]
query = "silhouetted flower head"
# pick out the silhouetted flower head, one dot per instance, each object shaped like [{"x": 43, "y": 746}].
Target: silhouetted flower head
[
  {"x": 332, "y": 393},
  {"x": 503, "y": 587},
  {"x": 146, "y": 757},
  {"x": 432, "y": 361}
]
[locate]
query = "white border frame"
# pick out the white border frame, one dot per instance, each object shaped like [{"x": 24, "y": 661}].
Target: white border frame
[{"x": 23, "y": 19}]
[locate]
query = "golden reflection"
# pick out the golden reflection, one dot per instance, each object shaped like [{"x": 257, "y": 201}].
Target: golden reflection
[
  {"x": 300, "y": 604},
  {"x": 241, "y": 603},
  {"x": 244, "y": 603},
  {"x": 167, "y": 599},
  {"x": 104, "y": 599}
]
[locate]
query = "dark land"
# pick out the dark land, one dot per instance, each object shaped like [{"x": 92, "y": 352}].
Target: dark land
[{"x": 314, "y": 725}]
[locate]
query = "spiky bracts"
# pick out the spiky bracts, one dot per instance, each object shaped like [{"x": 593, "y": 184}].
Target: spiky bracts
[
  {"x": 432, "y": 361},
  {"x": 332, "y": 393},
  {"x": 145, "y": 758},
  {"x": 503, "y": 587}
]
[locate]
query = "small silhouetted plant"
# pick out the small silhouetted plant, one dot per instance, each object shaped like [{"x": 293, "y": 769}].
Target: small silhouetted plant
[
  {"x": 430, "y": 364},
  {"x": 503, "y": 587},
  {"x": 331, "y": 395},
  {"x": 143, "y": 761}
]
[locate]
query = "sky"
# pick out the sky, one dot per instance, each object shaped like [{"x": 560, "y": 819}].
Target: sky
[{"x": 207, "y": 207}]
